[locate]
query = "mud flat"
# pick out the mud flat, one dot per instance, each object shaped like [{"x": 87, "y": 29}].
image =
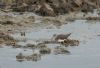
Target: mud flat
[
  {"x": 27, "y": 40},
  {"x": 86, "y": 54},
  {"x": 32, "y": 43}
]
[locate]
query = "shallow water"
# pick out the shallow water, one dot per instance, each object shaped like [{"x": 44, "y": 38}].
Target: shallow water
[{"x": 86, "y": 55}]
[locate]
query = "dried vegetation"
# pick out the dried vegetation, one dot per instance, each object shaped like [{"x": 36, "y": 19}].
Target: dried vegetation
[{"x": 49, "y": 7}]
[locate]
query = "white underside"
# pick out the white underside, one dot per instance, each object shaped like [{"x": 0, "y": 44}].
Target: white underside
[{"x": 60, "y": 40}]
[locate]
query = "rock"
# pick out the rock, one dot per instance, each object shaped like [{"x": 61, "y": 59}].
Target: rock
[
  {"x": 60, "y": 50},
  {"x": 16, "y": 46},
  {"x": 41, "y": 45},
  {"x": 93, "y": 18},
  {"x": 6, "y": 38},
  {"x": 11, "y": 43},
  {"x": 28, "y": 58},
  {"x": 20, "y": 57},
  {"x": 8, "y": 22},
  {"x": 30, "y": 45},
  {"x": 31, "y": 18},
  {"x": 1, "y": 41},
  {"x": 70, "y": 42},
  {"x": 45, "y": 50},
  {"x": 35, "y": 57}
]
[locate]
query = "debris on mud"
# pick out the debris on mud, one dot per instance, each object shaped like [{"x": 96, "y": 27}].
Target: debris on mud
[
  {"x": 41, "y": 45},
  {"x": 34, "y": 57},
  {"x": 45, "y": 50},
  {"x": 7, "y": 22},
  {"x": 5, "y": 38},
  {"x": 20, "y": 57},
  {"x": 61, "y": 50},
  {"x": 70, "y": 42},
  {"x": 30, "y": 46},
  {"x": 93, "y": 18}
]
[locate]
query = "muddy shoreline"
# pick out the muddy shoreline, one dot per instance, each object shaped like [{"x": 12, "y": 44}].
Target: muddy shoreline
[
  {"x": 16, "y": 21},
  {"x": 32, "y": 41},
  {"x": 43, "y": 34},
  {"x": 34, "y": 35}
]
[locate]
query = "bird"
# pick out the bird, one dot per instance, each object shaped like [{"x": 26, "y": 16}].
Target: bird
[{"x": 61, "y": 37}]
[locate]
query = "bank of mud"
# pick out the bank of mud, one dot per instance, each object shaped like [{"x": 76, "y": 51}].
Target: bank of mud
[{"x": 17, "y": 21}]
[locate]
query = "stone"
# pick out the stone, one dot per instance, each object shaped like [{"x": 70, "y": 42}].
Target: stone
[{"x": 45, "y": 50}]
